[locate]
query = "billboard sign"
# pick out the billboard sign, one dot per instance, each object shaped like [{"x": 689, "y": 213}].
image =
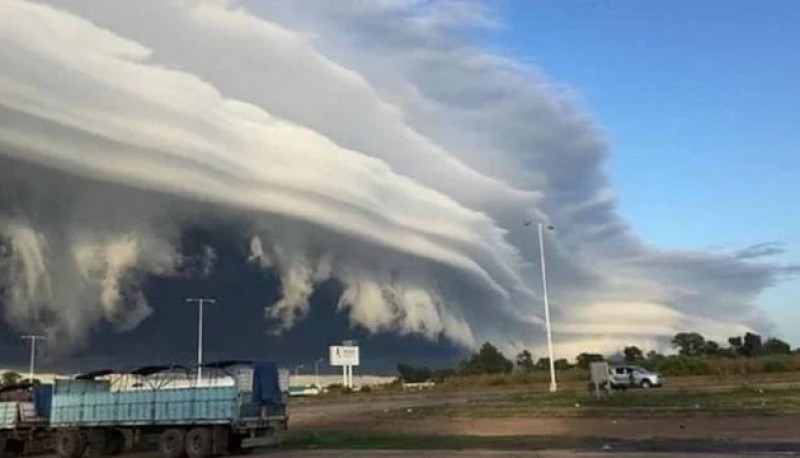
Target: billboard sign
[
  {"x": 344, "y": 356},
  {"x": 599, "y": 372}
]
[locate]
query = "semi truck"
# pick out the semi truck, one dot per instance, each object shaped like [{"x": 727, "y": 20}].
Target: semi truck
[{"x": 226, "y": 407}]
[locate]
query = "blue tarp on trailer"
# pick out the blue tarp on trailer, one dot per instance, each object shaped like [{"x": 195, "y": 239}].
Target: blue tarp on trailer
[
  {"x": 266, "y": 386},
  {"x": 43, "y": 400}
]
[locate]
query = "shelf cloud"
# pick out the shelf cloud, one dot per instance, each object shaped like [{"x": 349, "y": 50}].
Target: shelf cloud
[{"x": 366, "y": 142}]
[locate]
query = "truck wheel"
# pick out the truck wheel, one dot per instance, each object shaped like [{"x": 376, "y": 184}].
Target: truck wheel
[
  {"x": 198, "y": 443},
  {"x": 70, "y": 444},
  {"x": 115, "y": 442},
  {"x": 172, "y": 443},
  {"x": 646, "y": 384},
  {"x": 235, "y": 445},
  {"x": 96, "y": 442}
]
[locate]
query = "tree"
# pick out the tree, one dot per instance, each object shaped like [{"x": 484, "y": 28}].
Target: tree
[
  {"x": 752, "y": 344},
  {"x": 525, "y": 361},
  {"x": 775, "y": 346},
  {"x": 439, "y": 375},
  {"x": 736, "y": 344},
  {"x": 488, "y": 360},
  {"x": 411, "y": 374},
  {"x": 561, "y": 364},
  {"x": 712, "y": 348},
  {"x": 542, "y": 364},
  {"x": 632, "y": 354},
  {"x": 653, "y": 355},
  {"x": 689, "y": 343},
  {"x": 10, "y": 378},
  {"x": 584, "y": 360}
]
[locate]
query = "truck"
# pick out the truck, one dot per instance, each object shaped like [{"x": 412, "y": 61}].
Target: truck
[
  {"x": 24, "y": 418},
  {"x": 623, "y": 377},
  {"x": 226, "y": 407}
]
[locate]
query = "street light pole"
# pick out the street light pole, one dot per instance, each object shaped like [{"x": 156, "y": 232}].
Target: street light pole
[
  {"x": 553, "y": 385},
  {"x": 33, "y": 338},
  {"x": 200, "y": 303},
  {"x": 316, "y": 371}
]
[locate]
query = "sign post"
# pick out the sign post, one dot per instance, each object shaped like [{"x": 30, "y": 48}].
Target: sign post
[
  {"x": 599, "y": 373},
  {"x": 346, "y": 356}
]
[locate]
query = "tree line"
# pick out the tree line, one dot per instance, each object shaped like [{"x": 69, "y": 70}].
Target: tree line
[
  {"x": 695, "y": 356},
  {"x": 10, "y": 378}
]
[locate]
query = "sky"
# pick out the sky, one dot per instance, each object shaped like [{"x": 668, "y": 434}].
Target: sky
[
  {"x": 375, "y": 162},
  {"x": 699, "y": 101}
]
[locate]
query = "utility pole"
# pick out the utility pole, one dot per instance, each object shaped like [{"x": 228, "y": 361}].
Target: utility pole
[
  {"x": 553, "y": 385},
  {"x": 33, "y": 338},
  {"x": 316, "y": 372},
  {"x": 200, "y": 303},
  {"x": 541, "y": 227}
]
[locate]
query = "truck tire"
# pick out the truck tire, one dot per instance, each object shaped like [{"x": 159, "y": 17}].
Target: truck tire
[
  {"x": 646, "y": 384},
  {"x": 70, "y": 444},
  {"x": 198, "y": 443},
  {"x": 172, "y": 443},
  {"x": 235, "y": 445},
  {"x": 115, "y": 442},
  {"x": 105, "y": 442}
]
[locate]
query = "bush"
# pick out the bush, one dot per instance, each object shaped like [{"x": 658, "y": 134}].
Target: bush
[
  {"x": 681, "y": 365},
  {"x": 776, "y": 365}
]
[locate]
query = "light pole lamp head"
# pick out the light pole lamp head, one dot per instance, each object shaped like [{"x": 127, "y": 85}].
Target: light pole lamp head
[{"x": 549, "y": 227}]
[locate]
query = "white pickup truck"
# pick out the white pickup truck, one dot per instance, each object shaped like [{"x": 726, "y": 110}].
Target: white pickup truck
[{"x": 623, "y": 377}]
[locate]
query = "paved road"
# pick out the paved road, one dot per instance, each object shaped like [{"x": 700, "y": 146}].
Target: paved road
[{"x": 495, "y": 454}]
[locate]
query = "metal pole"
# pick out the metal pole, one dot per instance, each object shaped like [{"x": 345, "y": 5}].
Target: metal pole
[
  {"x": 316, "y": 372},
  {"x": 553, "y": 385},
  {"x": 200, "y": 343},
  {"x": 200, "y": 302},
  {"x": 33, "y": 339}
]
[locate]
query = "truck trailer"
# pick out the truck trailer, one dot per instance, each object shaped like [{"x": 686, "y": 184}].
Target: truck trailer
[
  {"x": 24, "y": 418},
  {"x": 233, "y": 407}
]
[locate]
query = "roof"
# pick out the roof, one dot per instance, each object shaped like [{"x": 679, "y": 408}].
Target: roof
[
  {"x": 227, "y": 363},
  {"x": 94, "y": 374},
  {"x": 150, "y": 370}
]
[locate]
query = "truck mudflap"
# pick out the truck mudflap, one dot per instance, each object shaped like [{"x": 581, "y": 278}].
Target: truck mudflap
[
  {"x": 262, "y": 438},
  {"x": 261, "y": 432}
]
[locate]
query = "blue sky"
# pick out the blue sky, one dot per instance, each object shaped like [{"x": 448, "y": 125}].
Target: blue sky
[{"x": 700, "y": 103}]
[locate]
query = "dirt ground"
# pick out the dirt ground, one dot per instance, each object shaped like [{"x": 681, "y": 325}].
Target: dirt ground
[
  {"x": 488, "y": 454},
  {"x": 401, "y": 417},
  {"x": 759, "y": 428}
]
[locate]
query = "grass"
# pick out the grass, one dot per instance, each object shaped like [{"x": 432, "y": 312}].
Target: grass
[
  {"x": 571, "y": 380},
  {"x": 739, "y": 401}
]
